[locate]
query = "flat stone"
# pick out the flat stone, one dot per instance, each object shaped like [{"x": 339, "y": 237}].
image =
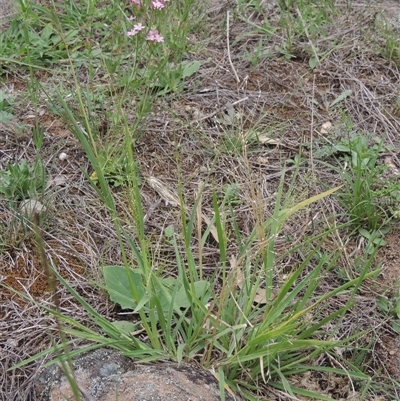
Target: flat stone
[{"x": 106, "y": 375}]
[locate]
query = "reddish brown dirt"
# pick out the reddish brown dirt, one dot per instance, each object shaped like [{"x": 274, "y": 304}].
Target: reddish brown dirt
[{"x": 388, "y": 348}]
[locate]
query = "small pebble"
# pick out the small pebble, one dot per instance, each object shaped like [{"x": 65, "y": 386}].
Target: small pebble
[{"x": 62, "y": 156}]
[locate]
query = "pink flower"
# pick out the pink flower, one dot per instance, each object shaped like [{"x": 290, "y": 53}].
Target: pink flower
[
  {"x": 136, "y": 28},
  {"x": 157, "y": 4},
  {"x": 154, "y": 36},
  {"x": 137, "y": 2}
]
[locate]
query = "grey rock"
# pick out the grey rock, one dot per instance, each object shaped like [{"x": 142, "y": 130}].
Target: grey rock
[{"x": 106, "y": 375}]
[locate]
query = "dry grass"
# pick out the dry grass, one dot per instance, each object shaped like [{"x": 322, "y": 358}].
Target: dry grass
[
  {"x": 6, "y": 9},
  {"x": 189, "y": 141}
]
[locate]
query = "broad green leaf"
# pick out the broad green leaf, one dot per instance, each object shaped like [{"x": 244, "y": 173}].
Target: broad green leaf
[
  {"x": 190, "y": 68},
  {"x": 312, "y": 62},
  {"x": 5, "y": 117},
  {"x": 201, "y": 288},
  {"x": 118, "y": 280},
  {"x": 342, "y": 148},
  {"x": 374, "y": 237},
  {"x": 3, "y": 97},
  {"x": 396, "y": 326},
  {"x": 181, "y": 298},
  {"x": 125, "y": 327},
  {"x": 397, "y": 310},
  {"x": 383, "y": 304},
  {"x": 143, "y": 301},
  {"x": 365, "y": 233},
  {"x": 169, "y": 231},
  {"x": 379, "y": 242},
  {"x": 164, "y": 293},
  {"x": 384, "y": 230}
]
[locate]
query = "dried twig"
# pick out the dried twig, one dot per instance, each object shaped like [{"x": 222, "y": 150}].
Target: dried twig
[{"x": 228, "y": 46}]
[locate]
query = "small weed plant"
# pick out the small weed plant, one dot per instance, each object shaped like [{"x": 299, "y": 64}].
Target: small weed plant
[
  {"x": 22, "y": 187},
  {"x": 360, "y": 177},
  {"x": 297, "y": 20},
  {"x": 22, "y": 181},
  {"x": 6, "y": 107},
  {"x": 390, "y": 306},
  {"x": 369, "y": 199}
]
